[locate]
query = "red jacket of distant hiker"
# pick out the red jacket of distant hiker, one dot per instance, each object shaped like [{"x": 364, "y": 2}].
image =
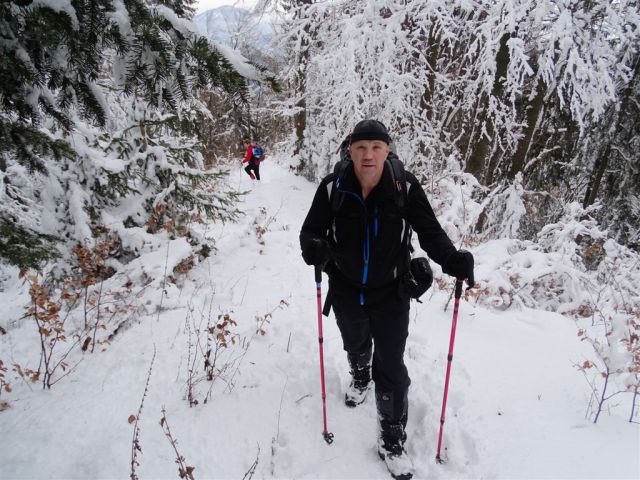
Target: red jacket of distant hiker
[{"x": 249, "y": 156}]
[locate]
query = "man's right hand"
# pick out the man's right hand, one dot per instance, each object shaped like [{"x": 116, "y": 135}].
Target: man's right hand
[{"x": 316, "y": 252}]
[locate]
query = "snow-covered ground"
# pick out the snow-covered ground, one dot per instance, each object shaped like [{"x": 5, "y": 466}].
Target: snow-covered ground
[{"x": 516, "y": 405}]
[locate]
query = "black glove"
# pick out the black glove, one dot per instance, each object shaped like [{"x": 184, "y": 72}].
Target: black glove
[
  {"x": 316, "y": 252},
  {"x": 460, "y": 265}
]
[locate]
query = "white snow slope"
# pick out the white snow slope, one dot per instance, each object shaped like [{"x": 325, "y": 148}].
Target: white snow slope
[{"x": 516, "y": 406}]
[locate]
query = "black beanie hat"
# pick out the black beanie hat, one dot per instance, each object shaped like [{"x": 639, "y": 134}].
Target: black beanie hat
[{"x": 370, "y": 130}]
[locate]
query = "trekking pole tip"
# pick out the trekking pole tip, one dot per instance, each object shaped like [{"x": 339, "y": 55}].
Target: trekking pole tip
[{"x": 328, "y": 437}]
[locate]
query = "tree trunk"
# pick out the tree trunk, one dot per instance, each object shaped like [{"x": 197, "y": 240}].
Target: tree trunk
[
  {"x": 300, "y": 123},
  {"x": 426, "y": 43},
  {"x": 602, "y": 161},
  {"x": 432, "y": 52},
  {"x": 596, "y": 176},
  {"x": 477, "y": 159},
  {"x": 300, "y": 117},
  {"x": 495, "y": 160},
  {"x": 533, "y": 112}
]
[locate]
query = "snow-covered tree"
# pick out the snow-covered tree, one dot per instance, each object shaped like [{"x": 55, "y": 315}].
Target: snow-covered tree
[
  {"x": 97, "y": 102},
  {"x": 501, "y": 88}
]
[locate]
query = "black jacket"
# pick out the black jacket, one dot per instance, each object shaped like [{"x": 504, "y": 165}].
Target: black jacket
[{"x": 372, "y": 230}]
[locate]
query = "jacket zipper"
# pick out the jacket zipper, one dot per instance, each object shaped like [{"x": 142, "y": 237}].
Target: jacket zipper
[{"x": 366, "y": 247}]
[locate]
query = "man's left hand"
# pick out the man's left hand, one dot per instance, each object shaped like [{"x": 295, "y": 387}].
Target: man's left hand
[{"x": 460, "y": 265}]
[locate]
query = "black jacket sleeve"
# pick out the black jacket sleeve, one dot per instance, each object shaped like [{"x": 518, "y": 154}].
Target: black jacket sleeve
[
  {"x": 319, "y": 217},
  {"x": 433, "y": 239}
]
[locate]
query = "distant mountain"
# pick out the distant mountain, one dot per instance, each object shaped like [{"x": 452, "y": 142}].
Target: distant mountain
[{"x": 236, "y": 27}]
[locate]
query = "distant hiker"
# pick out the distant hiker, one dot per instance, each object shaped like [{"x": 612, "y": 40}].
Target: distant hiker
[
  {"x": 253, "y": 157},
  {"x": 358, "y": 230}
]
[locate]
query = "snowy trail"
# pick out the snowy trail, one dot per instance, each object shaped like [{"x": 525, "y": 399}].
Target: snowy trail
[{"x": 515, "y": 410}]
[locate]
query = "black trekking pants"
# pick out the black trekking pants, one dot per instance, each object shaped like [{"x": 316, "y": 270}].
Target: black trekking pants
[
  {"x": 386, "y": 325},
  {"x": 255, "y": 168}
]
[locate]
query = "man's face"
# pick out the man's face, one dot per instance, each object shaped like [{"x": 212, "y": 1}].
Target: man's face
[{"x": 368, "y": 160}]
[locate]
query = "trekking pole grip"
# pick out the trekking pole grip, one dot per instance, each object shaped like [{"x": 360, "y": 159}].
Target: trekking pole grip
[
  {"x": 318, "y": 274},
  {"x": 458, "y": 291}
]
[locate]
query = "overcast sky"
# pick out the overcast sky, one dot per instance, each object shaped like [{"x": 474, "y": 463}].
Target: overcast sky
[{"x": 203, "y": 5}]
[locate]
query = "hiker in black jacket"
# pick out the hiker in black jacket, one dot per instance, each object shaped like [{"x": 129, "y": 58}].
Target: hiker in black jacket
[{"x": 361, "y": 242}]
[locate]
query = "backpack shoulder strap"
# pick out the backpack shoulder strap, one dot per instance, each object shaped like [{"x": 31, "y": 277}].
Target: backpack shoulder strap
[
  {"x": 399, "y": 178},
  {"x": 401, "y": 188},
  {"x": 335, "y": 196}
]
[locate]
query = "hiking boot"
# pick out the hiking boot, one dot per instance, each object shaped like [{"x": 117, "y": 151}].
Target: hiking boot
[
  {"x": 360, "y": 370},
  {"x": 253, "y": 177},
  {"x": 397, "y": 460},
  {"x": 392, "y": 420},
  {"x": 358, "y": 387}
]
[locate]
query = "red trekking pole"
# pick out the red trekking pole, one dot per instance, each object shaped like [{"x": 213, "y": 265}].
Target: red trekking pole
[
  {"x": 458, "y": 294},
  {"x": 328, "y": 437}
]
